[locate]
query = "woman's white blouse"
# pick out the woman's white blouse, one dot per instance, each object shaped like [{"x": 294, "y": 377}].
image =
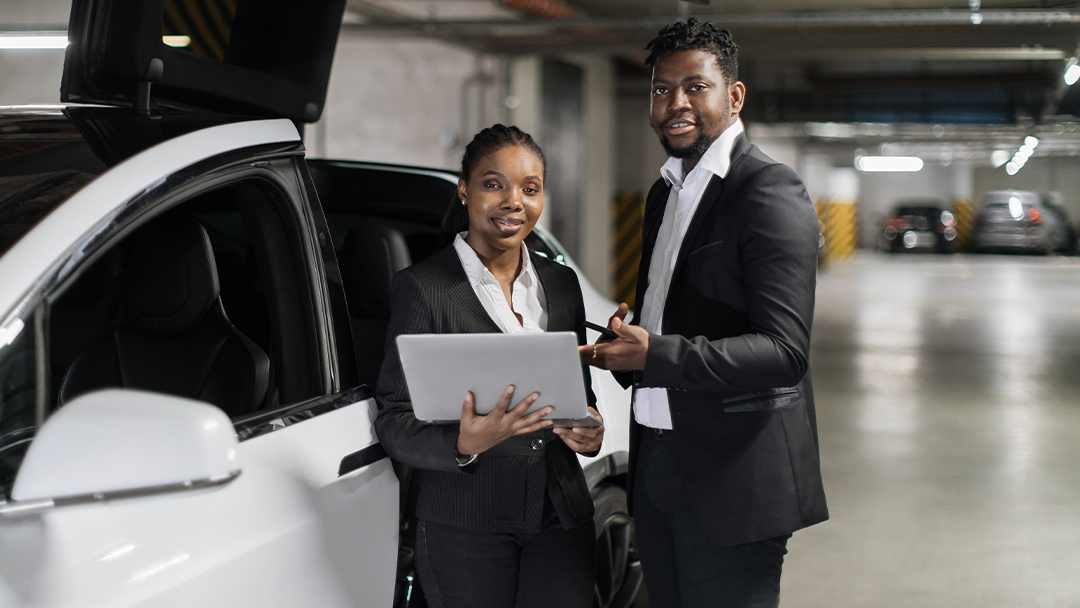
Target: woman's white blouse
[{"x": 527, "y": 294}]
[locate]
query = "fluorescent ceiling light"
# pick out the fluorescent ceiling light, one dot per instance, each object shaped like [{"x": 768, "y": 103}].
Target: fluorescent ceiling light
[
  {"x": 879, "y": 164},
  {"x": 33, "y": 40},
  {"x": 176, "y": 41}
]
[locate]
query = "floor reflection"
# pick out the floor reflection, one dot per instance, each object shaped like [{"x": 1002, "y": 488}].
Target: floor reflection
[{"x": 949, "y": 411}]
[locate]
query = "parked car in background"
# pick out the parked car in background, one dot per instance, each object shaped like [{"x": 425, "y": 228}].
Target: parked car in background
[
  {"x": 1017, "y": 221},
  {"x": 919, "y": 225}
]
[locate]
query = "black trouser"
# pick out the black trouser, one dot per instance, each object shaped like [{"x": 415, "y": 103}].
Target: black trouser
[
  {"x": 682, "y": 569},
  {"x": 461, "y": 568}
]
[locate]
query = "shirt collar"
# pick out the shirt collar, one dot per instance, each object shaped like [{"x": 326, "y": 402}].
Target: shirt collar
[
  {"x": 477, "y": 272},
  {"x": 716, "y": 160}
]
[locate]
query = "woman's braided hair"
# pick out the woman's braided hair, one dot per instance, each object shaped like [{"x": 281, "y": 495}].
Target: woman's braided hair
[
  {"x": 697, "y": 36},
  {"x": 485, "y": 143}
]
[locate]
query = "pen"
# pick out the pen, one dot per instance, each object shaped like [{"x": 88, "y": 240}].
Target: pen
[{"x": 607, "y": 333}]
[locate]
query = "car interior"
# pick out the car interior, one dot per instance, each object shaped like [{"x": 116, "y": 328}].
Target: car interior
[{"x": 206, "y": 302}]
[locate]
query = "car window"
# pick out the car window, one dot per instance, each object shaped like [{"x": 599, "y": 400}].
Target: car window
[
  {"x": 250, "y": 342},
  {"x": 17, "y": 398},
  {"x": 538, "y": 244},
  {"x": 43, "y": 161}
]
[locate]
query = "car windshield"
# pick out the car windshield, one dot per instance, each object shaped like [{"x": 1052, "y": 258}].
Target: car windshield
[
  {"x": 43, "y": 161},
  {"x": 927, "y": 211}
]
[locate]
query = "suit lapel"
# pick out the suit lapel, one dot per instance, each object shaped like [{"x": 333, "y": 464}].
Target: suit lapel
[
  {"x": 709, "y": 199},
  {"x": 469, "y": 312},
  {"x": 560, "y": 314},
  {"x": 654, "y": 216}
]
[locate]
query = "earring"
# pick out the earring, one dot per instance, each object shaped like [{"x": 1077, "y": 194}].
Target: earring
[{"x": 462, "y": 202}]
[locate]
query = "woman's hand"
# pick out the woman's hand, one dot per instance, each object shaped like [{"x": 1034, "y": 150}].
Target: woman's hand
[
  {"x": 584, "y": 439},
  {"x": 481, "y": 433}
]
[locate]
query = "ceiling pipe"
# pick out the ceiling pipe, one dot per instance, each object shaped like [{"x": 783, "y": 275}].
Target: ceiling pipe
[
  {"x": 820, "y": 19},
  {"x": 544, "y": 9}
]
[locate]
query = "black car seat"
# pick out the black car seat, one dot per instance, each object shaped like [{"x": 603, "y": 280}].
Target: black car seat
[
  {"x": 168, "y": 342},
  {"x": 373, "y": 252}
]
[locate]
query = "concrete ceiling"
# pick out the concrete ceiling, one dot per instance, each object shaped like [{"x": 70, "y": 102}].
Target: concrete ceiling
[{"x": 910, "y": 61}]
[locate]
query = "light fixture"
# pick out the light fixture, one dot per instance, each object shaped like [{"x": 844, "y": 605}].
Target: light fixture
[
  {"x": 1072, "y": 71},
  {"x": 882, "y": 164},
  {"x": 999, "y": 157},
  {"x": 1022, "y": 155},
  {"x": 33, "y": 40},
  {"x": 176, "y": 41}
]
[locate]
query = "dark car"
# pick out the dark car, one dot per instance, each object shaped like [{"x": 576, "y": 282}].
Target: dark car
[
  {"x": 920, "y": 226},
  {"x": 1015, "y": 221}
]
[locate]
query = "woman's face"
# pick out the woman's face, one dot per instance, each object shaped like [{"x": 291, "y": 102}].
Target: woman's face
[{"x": 505, "y": 197}]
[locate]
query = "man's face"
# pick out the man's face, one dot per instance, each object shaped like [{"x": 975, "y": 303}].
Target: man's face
[{"x": 691, "y": 104}]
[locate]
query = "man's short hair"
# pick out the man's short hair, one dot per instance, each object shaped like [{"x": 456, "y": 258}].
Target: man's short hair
[{"x": 696, "y": 36}]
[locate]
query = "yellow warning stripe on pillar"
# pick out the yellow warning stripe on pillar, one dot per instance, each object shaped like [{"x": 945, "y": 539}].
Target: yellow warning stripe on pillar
[
  {"x": 627, "y": 216},
  {"x": 838, "y": 226},
  {"x": 964, "y": 212}
]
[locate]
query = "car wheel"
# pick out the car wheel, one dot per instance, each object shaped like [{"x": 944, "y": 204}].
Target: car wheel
[{"x": 618, "y": 569}]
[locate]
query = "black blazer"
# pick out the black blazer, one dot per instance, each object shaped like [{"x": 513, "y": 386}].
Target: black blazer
[
  {"x": 504, "y": 490},
  {"x": 734, "y": 351}
]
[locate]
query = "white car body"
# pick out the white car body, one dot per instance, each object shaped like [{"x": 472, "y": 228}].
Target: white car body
[{"x": 288, "y": 531}]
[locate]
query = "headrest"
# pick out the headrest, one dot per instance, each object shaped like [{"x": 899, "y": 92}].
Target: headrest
[
  {"x": 170, "y": 279},
  {"x": 373, "y": 253}
]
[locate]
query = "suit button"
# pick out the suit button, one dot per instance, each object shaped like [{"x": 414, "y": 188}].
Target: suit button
[{"x": 537, "y": 444}]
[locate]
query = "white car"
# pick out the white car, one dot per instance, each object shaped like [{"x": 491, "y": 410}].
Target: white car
[{"x": 188, "y": 336}]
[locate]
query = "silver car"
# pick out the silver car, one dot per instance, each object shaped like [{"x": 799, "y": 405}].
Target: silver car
[{"x": 1017, "y": 221}]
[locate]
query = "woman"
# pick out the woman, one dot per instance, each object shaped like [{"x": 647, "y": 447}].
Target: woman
[{"x": 504, "y": 513}]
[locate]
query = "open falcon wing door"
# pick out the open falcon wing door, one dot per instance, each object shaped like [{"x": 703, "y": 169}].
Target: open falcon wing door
[{"x": 268, "y": 58}]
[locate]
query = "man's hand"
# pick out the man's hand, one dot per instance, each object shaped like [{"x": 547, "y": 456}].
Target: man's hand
[
  {"x": 481, "y": 433},
  {"x": 623, "y": 354},
  {"x": 584, "y": 439}
]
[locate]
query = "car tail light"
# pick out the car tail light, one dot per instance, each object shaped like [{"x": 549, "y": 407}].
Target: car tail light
[{"x": 1035, "y": 216}]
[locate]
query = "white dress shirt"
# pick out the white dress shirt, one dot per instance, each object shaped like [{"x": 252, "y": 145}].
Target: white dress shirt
[
  {"x": 651, "y": 404},
  {"x": 527, "y": 293}
]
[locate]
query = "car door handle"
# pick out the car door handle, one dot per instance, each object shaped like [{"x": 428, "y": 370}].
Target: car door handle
[{"x": 358, "y": 460}]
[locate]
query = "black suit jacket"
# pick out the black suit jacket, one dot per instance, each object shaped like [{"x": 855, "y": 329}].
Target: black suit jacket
[
  {"x": 504, "y": 490},
  {"x": 734, "y": 351}
]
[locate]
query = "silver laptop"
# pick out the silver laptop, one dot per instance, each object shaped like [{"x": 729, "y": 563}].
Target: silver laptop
[{"x": 441, "y": 368}]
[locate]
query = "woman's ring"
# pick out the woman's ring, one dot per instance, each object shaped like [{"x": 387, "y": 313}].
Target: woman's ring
[{"x": 593, "y": 351}]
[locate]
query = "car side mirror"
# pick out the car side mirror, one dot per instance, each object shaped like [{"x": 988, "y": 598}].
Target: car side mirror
[{"x": 116, "y": 443}]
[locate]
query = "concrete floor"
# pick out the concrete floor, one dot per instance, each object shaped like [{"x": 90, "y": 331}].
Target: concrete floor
[{"x": 948, "y": 394}]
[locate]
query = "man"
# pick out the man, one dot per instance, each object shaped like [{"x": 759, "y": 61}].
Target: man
[{"x": 724, "y": 454}]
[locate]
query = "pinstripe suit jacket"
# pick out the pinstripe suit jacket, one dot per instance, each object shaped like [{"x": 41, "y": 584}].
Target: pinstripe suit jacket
[{"x": 504, "y": 490}]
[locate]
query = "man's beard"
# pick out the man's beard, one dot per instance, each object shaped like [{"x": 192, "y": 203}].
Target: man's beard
[{"x": 696, "y": 149}]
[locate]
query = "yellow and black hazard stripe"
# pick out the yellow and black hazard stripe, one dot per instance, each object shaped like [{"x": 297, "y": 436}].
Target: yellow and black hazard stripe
[
  {"x": 627, "y": 216},
  {"x": 839, "y": 226}
]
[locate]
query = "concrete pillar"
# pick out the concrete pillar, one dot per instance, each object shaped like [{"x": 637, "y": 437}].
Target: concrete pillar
[
  {"x": 814, "y": 170},
  {"x": 963, "y": 181},
  {"x": 524, "y": 98},
  {"x": 598, "y": 187},
  {"x": 843, "y": 185}
]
